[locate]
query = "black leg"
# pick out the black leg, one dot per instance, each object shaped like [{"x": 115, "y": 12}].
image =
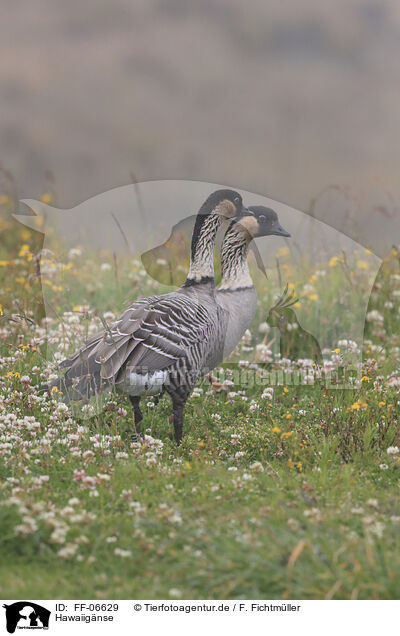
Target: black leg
[
  {"x": 137, "y": 418},
  {"x": 178, "y": 404}
]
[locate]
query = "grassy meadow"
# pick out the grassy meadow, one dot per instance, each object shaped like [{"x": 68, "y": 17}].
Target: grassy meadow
[{"x": 287, "y": 491}]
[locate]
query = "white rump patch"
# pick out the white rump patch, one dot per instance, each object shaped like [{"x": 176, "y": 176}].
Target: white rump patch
[{"x": 136, "y": 384}]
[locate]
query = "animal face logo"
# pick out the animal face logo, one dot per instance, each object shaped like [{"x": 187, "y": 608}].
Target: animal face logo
[{"x": 26, "y": 615}]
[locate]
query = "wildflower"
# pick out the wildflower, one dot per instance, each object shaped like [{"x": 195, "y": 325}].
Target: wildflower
[
  {"x": 286, "y": 435},
  {"x": 358, "y": 405},
  {"x": 68, "y": 551},
  {"x": 24, "y": 250},
  {"x": 393, "y": 450},
  {"x": 46, "y": 198},
  {"x": 276, "y": 429},
  {"x": 375, "y": 316},
  {"x": 175, "y": 593},
  {"x": 312, "y": 513}
]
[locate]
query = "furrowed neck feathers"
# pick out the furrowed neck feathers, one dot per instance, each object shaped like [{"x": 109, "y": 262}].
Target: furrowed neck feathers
[
  {"x": 234, "y": 251},
  {"x": 201, "y": 258}
]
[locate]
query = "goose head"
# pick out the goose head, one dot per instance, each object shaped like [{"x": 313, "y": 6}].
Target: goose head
[
  {"x": 225, "y": 203},
  {"x": 261, "y": 221}
]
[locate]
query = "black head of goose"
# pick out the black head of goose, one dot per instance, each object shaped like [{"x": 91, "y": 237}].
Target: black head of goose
[
  {"x": 160, "y": 342},
  {"x": 236, "y": 293}
]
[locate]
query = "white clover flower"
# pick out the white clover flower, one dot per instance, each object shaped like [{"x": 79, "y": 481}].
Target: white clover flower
[
  {"x": 375, "y": 316},
  {"x": 68, "y": 551},
  {"x": 393, "y": 450},
  {"x": 175, "y": 593}
]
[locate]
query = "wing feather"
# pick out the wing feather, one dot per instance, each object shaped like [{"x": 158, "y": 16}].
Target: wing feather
[{"x": 151, "y": 335}]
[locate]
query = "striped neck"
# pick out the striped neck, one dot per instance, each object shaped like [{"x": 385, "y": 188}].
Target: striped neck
[
  {"x": 234, "y": 251},
  {"x": 202, "y": 260}
]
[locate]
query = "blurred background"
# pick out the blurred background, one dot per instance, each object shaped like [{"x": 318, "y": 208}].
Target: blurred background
[{"x": 297, "y": 101}]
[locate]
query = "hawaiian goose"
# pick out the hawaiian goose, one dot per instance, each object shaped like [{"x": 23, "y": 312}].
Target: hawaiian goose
[
  {"x": 236, "y": 293},
  {"x": 164, "y": 342}
]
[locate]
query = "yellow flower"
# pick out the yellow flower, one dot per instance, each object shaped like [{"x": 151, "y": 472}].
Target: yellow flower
[
  {"x": 381, "y": 403},
  {"x": 187, "y": 466},
  {"x": 4, "y": 263},
  {"x": 286, "y": 435},
  {"x": 276, "y": 429},
  {"x": 24, "y": 251},
  {"x": 334, "y": 260},
  {"x": 46, "y": 197},
  {"x": 362, "y": 264},
  {"x": 299, "y": 466},
  {"x": 359, "y": 405},
  {"x": 54, "y": 389},
  {"x": 283, "y": 251},
  {"x": 1, "y": 310},
  {"x": 313, "y": 297}
]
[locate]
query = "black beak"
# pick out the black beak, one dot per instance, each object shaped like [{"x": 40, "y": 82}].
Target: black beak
[
  {"x": 279, "y": 231},
  {"x": 245, "y": 211}
]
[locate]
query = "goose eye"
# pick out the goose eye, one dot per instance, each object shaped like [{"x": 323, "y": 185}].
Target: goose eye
[{"x": 262, "y": 218}]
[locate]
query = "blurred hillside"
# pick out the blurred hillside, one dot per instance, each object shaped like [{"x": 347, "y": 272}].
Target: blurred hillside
[{"x": 283, "y": 99}]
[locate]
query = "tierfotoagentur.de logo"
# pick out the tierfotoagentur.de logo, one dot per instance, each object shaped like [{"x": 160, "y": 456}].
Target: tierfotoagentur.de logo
[{"x": 26, "y": 615}]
